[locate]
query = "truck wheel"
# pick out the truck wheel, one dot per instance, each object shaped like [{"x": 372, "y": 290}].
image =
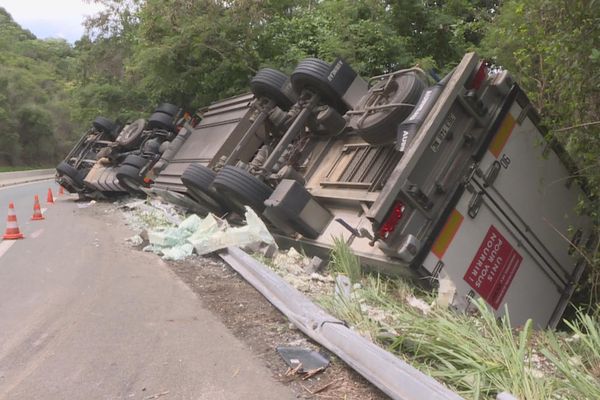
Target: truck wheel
[
  {"x": 379, "y": 127},
  {"x": 311, "y": 73},
  {"x": 167, "y": 108},
  {"x": 105, "y": 125},
  {"x": 72, "y": 178},
  {"x": 131, "y": 134},
  {"x": 129, "y": 177},
  {"x": 161, "y": 121},
  {"x": 198, "y": 180},
  {"x": 274, "y": 85},
  {"x": 241, "y": 188},
  {"x": 72, "y": 173}
]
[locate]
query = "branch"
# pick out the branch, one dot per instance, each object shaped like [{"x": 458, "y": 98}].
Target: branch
[{"x": 568, "y": 128}]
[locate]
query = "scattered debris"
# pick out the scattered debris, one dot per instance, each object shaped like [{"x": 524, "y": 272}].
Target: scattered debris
[
  {"x": 86, "y": 205},
  {"x": 135, "y": 240},
  {"x": 157, "y": 395},
  {"x": 172, "y": 242},
  {"x": 317, "y": 264},
  {"x": 175, "y": 238},
  {"x": 418, "y": 304},
  {"x": 220, "y": 236},
  {"x": 302, "y": 361},
  {"x": 343, "y": 287},
  {"x": 446, "y": 292},
  {"x": 324, "y": 387}
]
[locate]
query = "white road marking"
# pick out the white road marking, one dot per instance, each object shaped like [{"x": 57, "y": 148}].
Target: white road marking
[
  {"x": 5, "y": 245},
  {"x": 43, "y": 210},
  {"x": 37, "y": 233}
]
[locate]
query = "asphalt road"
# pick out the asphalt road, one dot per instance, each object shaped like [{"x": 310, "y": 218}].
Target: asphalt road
[{"x": 84, "y": 316}]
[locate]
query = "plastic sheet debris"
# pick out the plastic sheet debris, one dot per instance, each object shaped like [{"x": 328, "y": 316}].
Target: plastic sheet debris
[
  {"x": 446, "y": 292},
  {"x": 135, "y": 240},
  {"x": 171, "y": 242},
  {"x": 213, "y": 237},
  {"x": 178, "y": 252},
  {"x": 204, "y": 235},
  {"x": 343, "y": 287},
  {"x": 301, "y": 359},
  {"x": 86, "y": 205},
  {"x": 418, "y": 304},
  {"x": 169, "y": 237}
]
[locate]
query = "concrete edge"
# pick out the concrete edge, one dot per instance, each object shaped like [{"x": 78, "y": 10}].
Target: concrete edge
[{"x": 19, "y": 181}]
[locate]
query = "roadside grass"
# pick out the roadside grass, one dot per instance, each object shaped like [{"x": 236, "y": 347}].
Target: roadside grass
[
  {"x": 476, "y": 354},
  {"x": 344, "y": 261}
]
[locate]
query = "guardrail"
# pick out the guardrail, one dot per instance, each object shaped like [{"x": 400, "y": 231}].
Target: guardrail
[{"x": 393, "y": 376}]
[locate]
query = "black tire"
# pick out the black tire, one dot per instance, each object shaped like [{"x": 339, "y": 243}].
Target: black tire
[
  {"x": 105, "y": 125},
  {"x": 129, "y": 177},
  {"x": 151, "y": 147},
  {"x": 274, "y": 85},
  {"x": 312, "y": 73},
  {"x": 161, "y": 121},
  {"x": 167, "y": 108},
  {"x": 241, "y": 188},
  {"x": 380, "y": 127},
  {"x": 135, "y": 161},
  {"x": 74, "y": 175},
  {"x": 131, "y": 135},
  {"x": 198, "y": 180}
]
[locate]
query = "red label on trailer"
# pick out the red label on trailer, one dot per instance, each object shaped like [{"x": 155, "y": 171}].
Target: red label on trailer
[{"x": 493, "y": 268}]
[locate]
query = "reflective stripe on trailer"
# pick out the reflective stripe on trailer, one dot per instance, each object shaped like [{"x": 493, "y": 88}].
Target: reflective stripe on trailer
[
  {"x": 502, "y": 135},
  {"x": 442, "y": 242}
]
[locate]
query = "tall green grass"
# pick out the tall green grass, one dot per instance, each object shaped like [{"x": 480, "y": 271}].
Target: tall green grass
[
  {"x": 343, "y": 261},
  {"x": 477, "y": 355}
]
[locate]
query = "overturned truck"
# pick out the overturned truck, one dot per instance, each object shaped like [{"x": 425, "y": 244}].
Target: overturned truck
[
  {"x": 451, "y": 183},
  {"x": 109, "y": 160}
]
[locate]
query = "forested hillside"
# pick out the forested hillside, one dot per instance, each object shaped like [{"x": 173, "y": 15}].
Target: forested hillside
[
  {"x": 138, "y": 53},
  {"x": 35, "y": 120}
]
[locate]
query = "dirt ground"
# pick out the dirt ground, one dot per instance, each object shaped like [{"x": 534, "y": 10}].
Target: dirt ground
[{"x": 262, "y": 328}]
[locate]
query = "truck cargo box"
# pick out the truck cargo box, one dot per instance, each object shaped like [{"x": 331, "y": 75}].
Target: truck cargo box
[{"x": 474, "y": 196}]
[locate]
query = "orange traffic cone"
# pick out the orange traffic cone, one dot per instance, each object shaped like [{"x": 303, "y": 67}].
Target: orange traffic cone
[
  {"x": 61, "y": 190},
  {"x": 12, "y": 229},
  {"x": 37, "y": 211},
  {"x": 50, "y": 198}
]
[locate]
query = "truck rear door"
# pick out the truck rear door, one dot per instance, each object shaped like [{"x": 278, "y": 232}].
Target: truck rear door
[{"x": 508, "y": 238}]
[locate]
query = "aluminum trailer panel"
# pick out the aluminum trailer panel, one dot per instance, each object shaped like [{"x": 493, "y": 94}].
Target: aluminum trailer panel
[
  {"x": 507, "y": 240},
  {"x": 215, "y": 136},
  {"x": 478, "y": 173}
]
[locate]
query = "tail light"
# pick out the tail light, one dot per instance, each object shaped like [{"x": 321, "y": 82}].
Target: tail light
[
  {"x": 392, "y": 220},
  {"x": 479, "y": 77}
]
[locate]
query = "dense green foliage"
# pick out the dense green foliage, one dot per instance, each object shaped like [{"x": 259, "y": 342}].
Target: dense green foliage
[
  {"x": 553, "y": 47},
  {"x": 35, "y": 119},
  {"x": 192, "y": 52}
]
